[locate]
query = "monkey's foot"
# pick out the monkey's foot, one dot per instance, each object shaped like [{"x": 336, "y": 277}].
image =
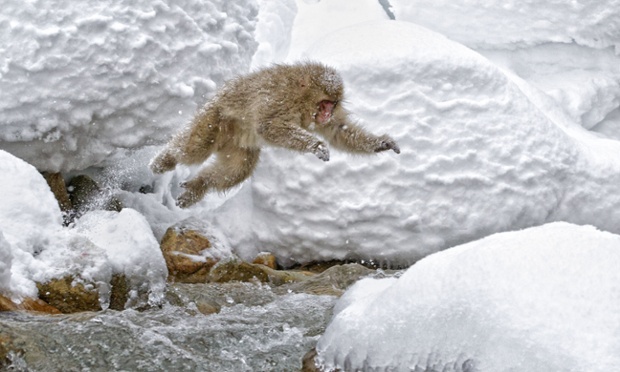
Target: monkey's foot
[
  {"x": 163, "y": 162},
  {"x": 195, "y": 190},
  {"x": 387, "y": 143}
]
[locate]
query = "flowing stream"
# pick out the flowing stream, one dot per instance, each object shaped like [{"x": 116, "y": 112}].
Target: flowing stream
[{"x": 257, "y": 328}]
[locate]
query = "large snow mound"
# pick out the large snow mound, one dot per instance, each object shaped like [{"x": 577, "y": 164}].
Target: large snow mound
[
  {"x": 80, "y": 80},
  {"x": 514, "y": 23},
  {"x": 541, "y": 299},
  {"x": 478, "y": 157},
  {"x": 568, "y": 49}
]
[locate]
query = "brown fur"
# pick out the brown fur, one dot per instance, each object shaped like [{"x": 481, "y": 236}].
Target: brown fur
[{"x": 280, "y": 106}]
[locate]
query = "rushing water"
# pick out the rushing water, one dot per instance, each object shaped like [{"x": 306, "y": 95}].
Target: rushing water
[{"x": 257, "y": 329}]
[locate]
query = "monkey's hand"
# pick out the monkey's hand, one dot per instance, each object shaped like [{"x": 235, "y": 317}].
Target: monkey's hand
[
  {"x": 387, "y": 143},
  {"x": 321, "y": 151}
]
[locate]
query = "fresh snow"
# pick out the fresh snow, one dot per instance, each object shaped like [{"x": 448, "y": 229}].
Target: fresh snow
[
  {"x": 541, "y": 299},
  {"x": 81, "y": 81}
]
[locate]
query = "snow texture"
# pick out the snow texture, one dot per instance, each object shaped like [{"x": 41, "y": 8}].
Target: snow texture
[
  {"x": 273, "y": 31},
  {"x": 568, "y": 49},
  {"x": 541, "y": 299},
  {"x": 79, "y": 81},
  {"x": 484, "y": 24}
]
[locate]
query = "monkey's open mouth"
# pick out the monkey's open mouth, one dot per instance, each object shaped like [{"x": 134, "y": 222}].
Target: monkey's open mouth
[{"x": 325, "y": 111}]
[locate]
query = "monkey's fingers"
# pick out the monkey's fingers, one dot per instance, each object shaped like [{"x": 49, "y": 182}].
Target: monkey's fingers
[
  {"x": 388, "y": 144},
  {"x": 321, "y": 151}
]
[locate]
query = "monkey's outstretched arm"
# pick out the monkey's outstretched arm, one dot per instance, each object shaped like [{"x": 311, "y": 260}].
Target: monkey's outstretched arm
[
  {"x": 343, "y": 134},
  {"x": 293, "y": 137}
]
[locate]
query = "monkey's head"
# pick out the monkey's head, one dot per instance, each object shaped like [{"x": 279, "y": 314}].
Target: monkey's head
[{"x": 324, "y": 91}]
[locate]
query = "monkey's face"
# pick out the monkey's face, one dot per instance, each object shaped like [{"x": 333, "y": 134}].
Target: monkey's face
[{"x": 324, "y": 111}]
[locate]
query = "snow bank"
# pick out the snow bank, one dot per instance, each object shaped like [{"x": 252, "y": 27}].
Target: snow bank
[
  {"x": 477, "y": 157},
  {"x": 79, "y": 81},
  {"x": 568, "y": 49},
  {"x": 484, "y": 24},
  {"x": 541, "y": 299},
  {"x": 333, "y": 15},
  {"x": 34, "y": 246}
]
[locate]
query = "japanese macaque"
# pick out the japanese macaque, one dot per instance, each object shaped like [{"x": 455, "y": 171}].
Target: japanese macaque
[{"x": 280, "y": 106}]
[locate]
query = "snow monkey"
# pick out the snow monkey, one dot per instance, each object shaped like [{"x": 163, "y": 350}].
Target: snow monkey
[{"x": 281, "y": 106}]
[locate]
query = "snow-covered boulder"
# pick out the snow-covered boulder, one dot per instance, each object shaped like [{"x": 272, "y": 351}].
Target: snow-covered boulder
[
  {"x": 478, "y": 157},
  {"x": 128, "y": 247},
  {"x": 541, "y": 299},
  {"x": 35, "y": 247},
  {"x": 80, "y": 80}
]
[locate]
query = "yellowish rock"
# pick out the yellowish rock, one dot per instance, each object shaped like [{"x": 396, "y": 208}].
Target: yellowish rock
[
  {"x": 266, "y": 259},
  {"x": 69, "y": 297},
  {"x": 182, "y": 249}
]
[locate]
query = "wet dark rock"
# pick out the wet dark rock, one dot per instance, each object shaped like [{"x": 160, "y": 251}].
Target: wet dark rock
[
  {"x": 86, "y": 195},
  {"x": 119, "y": 292},
  {"x": 57, "y": 184},
  {"x": 308, "y": 364},
  {"x": 7, "y": 350}
]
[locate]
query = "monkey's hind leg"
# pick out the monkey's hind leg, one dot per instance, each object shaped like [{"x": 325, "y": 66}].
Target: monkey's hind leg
[
  {"x": 233, "y": 166},
  {"x": 193, "y": 145}
]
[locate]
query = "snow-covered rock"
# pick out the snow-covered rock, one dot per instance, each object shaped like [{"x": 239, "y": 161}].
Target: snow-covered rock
[
  {"x": 541, "y": 299},
  {"x": 129, "y": 248},
  {"x": 79, "y": 81},
  {"x": 35, "y": 247},
  {"x": 478, "y": 157}
]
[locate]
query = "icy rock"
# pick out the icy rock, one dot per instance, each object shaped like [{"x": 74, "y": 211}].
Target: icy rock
[{"x": 540, "y": 299}]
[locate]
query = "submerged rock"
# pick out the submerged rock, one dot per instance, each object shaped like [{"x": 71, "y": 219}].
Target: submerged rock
[{"x": 333, "y": 281}]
